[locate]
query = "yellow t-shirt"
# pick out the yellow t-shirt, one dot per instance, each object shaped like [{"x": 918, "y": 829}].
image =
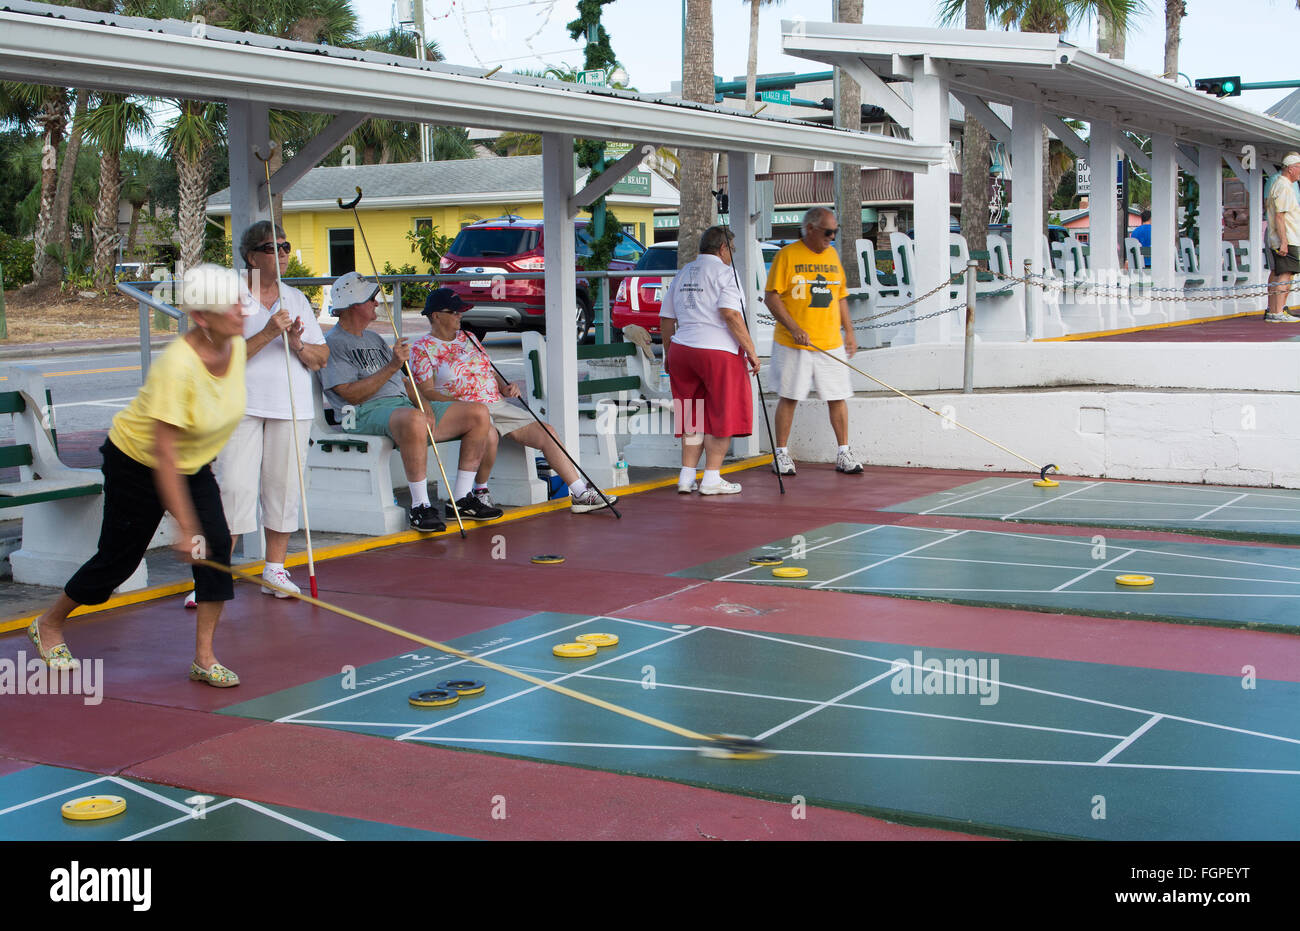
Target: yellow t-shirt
[
  {"x": 811, "y": 285},
  {"x": 182, "y": 392}
]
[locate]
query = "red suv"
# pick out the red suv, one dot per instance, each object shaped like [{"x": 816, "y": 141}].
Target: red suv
[{"x": 508, "y": 245}]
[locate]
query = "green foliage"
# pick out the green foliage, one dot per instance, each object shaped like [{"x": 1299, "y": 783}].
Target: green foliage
[
  {"x": 218, "y": 248},
  {"x": 429, "y": 245},
  {"x": 16, "y": 256},
  {"x": 298, "y": 269},
  {"x": 1189, "y": 197},
  {"x": 413, "y": 293}
]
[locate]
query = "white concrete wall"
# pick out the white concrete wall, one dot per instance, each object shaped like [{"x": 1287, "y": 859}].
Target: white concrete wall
[{"x": 1238, "y": 438}]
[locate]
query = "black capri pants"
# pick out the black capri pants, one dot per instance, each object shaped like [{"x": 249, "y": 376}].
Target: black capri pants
[{"x": 132, "y": 513}]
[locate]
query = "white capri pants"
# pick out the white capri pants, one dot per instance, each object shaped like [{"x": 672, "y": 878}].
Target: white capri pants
[{"x": 259, "y": 454}]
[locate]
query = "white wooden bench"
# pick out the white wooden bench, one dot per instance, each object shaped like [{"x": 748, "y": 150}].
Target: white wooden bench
[{"x": 62, "y": 508}]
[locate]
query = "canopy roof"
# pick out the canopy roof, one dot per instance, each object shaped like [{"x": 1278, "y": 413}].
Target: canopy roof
[
  {"x": 1067, "y": 80},
  {"x": 69, "y": 47}
]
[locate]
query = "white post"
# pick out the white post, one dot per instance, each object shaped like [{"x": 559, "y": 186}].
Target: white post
[
  {"x": 1103, "y": 216},
  {"x": 1027, "y": 202},
  {"x": 561, "y": 289},
  {"x": 1209, "y": 175},
  {"x": 1255, "y": 197},
  {"x": 932, "y": 210},
  {"x": 246, "y": 127},
  {"x": 740, "y": 189},
  {"x": 1164, "y": 213}
]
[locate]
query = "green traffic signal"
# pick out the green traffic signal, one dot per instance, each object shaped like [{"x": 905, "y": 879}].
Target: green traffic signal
[{"x": 1220, "y": 87}]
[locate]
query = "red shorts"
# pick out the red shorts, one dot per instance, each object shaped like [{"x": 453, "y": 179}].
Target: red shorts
[{"x": 713, "y": 386}]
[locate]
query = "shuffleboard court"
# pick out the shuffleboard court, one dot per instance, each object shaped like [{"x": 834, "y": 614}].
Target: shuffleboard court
[
  {"x": 1271, "y": 514},
  {"x": 1206, "y": 583},
  {"x": 1008, "y": 745},
  {"x": 30, "y": 802}
]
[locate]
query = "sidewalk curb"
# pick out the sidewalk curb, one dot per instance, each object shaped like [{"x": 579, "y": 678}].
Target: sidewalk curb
[{"x": 72, "y": 349}]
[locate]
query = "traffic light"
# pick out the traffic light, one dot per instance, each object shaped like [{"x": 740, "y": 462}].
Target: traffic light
[{"x": 1220, "y": 87}]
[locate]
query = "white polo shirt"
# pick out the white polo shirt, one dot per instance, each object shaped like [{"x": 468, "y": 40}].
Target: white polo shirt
[
  {"x": 1282, "y": 200},
  {"x": 694, "y": 299},
  {"x": 268, "y": 385}
]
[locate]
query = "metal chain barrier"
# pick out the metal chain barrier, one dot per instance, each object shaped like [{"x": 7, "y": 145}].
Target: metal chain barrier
[
  {"x": 861, "y": 323},
  {"x": 1146, "y": 292}
]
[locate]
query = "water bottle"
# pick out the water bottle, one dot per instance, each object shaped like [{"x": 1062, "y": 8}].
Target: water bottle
[
  {"x": 665, "y": 384},
  {"x": 620, "y": 472}
]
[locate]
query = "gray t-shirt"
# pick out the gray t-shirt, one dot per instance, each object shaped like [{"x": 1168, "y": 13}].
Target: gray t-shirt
[{"x": 353, "y": 358}]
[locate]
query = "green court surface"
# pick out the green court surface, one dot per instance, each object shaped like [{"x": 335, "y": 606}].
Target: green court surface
[
  {"x": 31, "y": 799},
  {"x": 1264, "y": 514},
  {"x": 1206, "y": 583},
  {"x": 1004, "y": 745}
]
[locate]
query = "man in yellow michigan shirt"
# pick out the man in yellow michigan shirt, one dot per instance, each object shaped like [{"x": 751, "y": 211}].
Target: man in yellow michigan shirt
[{"x": 806, "y": 294}]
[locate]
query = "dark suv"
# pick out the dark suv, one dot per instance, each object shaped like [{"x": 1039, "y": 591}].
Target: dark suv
[{"x": 508, "y": 245}]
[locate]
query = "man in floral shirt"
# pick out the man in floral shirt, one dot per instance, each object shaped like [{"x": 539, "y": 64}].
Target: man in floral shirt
[{"x": 450, "y": 365}]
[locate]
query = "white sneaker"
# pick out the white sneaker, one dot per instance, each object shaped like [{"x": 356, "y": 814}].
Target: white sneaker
[
  {"x": 1281, "y": 318},
  {"x": 281, "y": 578},
  {"x": 783, "y": 464},
  {"x": 685, "y": 488},
  {"x": 190, "y": 603},
  {"x": 847, "y": 463},
  {"x": 590, "y": 500},
  {"x": 723, "y": 487}
]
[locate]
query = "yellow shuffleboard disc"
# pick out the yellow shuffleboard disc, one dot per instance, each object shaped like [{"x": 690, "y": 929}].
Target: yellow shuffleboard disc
[
  {"x": 1134, "y": 580},
  {"x": 94, "y": 807},
  {"x": 598, "y": 640},
  {"x": 548, "y": 559},
  {"x": 1046, "y": 483},
  {"x": 573, "y": 649},
  {"x": 765, "y": 560},
  {"x": 433, "y": 698},
  {"x": 790, "y": 572}
]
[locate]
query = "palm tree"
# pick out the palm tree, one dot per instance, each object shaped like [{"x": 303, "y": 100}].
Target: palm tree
[
  {"x": 141, "y": 174},
  {"x": 108, "y": 125},
  {"x": 697, "y": 205},
  {"x": 751, "y": 70},
  {"x": 1175, "y": 10},
  {"x": 848, "y": 198},
  {"x": 46, "y": 108},
  {"x": 190, "y": 137}
]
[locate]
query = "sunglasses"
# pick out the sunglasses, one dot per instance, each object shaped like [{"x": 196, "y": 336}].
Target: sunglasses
[
  {"x": 829, "y": 234},
  {"x": 268, "y": 248}
]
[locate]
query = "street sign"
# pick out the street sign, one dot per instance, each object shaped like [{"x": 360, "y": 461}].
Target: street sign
[
  {"x": 1082, "y": 176},
  {"x": 775, "y": 96},
  {"x": 592, "y": 78}
]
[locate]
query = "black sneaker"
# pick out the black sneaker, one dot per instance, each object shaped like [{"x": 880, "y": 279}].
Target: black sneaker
[
  {"x": 472, "y": 507},
  {"x": 425, "y": 519}
]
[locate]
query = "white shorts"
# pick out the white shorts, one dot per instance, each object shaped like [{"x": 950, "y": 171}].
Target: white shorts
[
  {"x": 257, "y": 464},
  {"x": 795, "y": 372},
  {"x": 507, "y": 416}
]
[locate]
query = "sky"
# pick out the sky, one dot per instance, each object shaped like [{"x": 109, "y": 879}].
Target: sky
[{"x": 1256, "y": 39}]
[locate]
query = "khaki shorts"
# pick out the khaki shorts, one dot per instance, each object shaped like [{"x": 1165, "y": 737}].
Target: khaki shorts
[
  {"x": 795, "y": 372},
  {"x": 507, "y": 416}
]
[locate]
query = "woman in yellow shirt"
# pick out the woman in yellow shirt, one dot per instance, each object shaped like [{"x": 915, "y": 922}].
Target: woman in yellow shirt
[{"x": 156, "y": 459}]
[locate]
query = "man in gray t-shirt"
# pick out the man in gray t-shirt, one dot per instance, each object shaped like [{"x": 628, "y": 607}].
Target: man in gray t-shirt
[{"x": 364, "y": 381}]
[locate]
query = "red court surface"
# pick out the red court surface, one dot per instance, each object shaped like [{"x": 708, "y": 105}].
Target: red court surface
[
  {"x": 154, "y": 725},
  {"x": 1250, "y": 329}
]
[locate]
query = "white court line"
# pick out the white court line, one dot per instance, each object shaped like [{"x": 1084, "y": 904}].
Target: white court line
[
  {"x": 1022, "y": 688},
  {"x": 881, "y": 562},
  {"x": 100, "y": 402},
  {"x": 723, "y": 578},
  {"x": 887, "y": 756},
  {"x": 528, "y": 691},
  {"x": 1127, "y": 741},
  {"x": 419, "y": 675},
  {"x": 175, "y": 821},
  {"x": 46, "y": 798},
  {"x": 1084, "y": 575},
  {"x": 660, "y": 684},
  {"x": 820, "y": 705},
  {"x": 1137, "y": 549},
  {"x": 1040, "y": 591},
  {"x": 1051, "y": 500},
  {"x": 948, "y": 504},
  {"x": 292, "y": 822}
]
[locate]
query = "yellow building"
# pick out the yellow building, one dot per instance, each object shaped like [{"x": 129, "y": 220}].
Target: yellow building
[{"x": 449, "y": 195}]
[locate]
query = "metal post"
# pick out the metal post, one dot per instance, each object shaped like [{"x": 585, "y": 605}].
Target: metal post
[
  {"x": 4, "y": 324},
  {"x": 968, "y": 377},
  {"x": 1029, "y": 318},
  {"x": 145, "y": 351},
  {"x": 397, "y": 302}
]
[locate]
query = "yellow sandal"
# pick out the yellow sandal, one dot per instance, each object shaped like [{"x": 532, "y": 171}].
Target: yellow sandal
[
  {"x": 216, "y": 675},
  {"x": 58, "y": 657}
]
